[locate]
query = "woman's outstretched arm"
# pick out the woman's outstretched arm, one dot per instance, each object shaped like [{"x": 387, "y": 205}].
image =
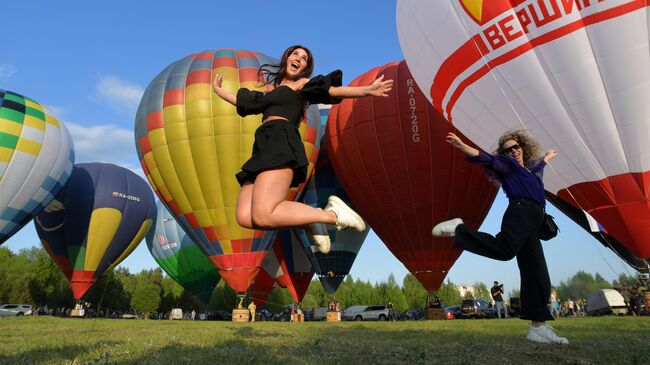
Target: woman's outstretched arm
[
  {"x": 453, "y": 140},
  {"x": 224, "y": 94},
  {"x": 379, "y": 87}
]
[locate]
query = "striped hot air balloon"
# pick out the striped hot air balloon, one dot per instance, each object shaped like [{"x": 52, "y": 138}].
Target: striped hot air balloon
[
  {"x": 95, "y": 222},
  {"x": 181, "y": 259},
  {"x": 287, "y": 262},
  {"x": 36, "y": 158},
  {"x": 191, "y": 143}
]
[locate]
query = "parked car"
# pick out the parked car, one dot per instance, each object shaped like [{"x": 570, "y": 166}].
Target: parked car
[
  {"x": 176, "y": 313},
  {"x": 606, "y": 301},
  {"x": 351, "y": 312},
  {"x": 15, "y": 310},
  {"x": 453, "y": 312},
  {"x": 477, "y": 308},
  {"x": 373, "y": 313}
]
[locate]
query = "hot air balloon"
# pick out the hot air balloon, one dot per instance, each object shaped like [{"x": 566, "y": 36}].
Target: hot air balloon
[
  {"x": 261, "y": 288},
  {"x": 181, "y": 259},
  {"x": 95, "y": 222},
  {"x": 288, "y": 264},
  {"x": 36, "y": 158},
  {"x": 331, "y": 268},
  {"x": 391, "y": 156},
  {"x": 575, "y": 74},
  {"x": 191, "y": 143},
  {"x": 589, "y": 224}
]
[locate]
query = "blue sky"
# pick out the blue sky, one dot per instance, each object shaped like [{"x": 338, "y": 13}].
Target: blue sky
[{"x": 90, "y": 61}]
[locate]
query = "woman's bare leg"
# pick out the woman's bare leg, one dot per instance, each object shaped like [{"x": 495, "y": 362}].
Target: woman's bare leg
[
  {"x": 271, "y": 210},
  {"x": 243, "y": 211}
]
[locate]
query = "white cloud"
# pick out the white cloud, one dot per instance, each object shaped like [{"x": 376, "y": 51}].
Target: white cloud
[
  {"x": 104, "y": 143},
  {"x": 120, "y": 94},
  {"x": 6, "y": 71}
]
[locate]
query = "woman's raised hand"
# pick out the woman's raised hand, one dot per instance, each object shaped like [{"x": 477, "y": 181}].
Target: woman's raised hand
[
  {"x": 454, "y": 140},
  {"x": 550, "y": 154},
  {"x": 379, "y": 87},
  {"x": 218, "y": 80}
]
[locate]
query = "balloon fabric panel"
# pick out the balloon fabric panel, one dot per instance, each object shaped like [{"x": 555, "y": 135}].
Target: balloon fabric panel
[
  {"x": 101, "y": 215},
  {"x": 36, "y": 157},
  {"x": 181, "y": 259}
]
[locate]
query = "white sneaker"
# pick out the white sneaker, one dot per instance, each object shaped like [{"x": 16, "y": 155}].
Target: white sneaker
[
  {"x": 545, "y": 334},
  {"x": 320, "y": 237},
  {"x": 345, "y": 216},
  {"x": 446, "y": 228}
]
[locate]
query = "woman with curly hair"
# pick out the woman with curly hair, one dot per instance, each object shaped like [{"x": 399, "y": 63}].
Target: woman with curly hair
[
  {"x": 279, "y": 159},
  {"x": 518, "y": 165}
]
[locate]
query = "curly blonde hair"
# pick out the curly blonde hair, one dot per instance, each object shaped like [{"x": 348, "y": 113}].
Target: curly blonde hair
[{"x": 530, "y": 146}]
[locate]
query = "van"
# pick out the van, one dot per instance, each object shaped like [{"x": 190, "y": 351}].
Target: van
[
  {"x": 350, "y": 312},
  {"x": 606, "y": 301},
  {"x": 15, "y": 310},
  {"x": 319, "y": 314},
  {"x": 176, "y": 313}
]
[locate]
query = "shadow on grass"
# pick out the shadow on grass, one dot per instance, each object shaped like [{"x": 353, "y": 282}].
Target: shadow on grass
[{"x": 59, "y": 354}]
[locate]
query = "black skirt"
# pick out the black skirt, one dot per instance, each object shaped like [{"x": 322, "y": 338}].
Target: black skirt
[{"x": 277, "y": 144}]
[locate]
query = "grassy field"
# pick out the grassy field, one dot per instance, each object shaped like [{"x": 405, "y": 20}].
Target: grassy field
[{"x": 46, "y": 340}]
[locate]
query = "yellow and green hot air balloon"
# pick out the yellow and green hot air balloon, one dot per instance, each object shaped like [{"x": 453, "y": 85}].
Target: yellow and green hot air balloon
[
  {"x": 36, "y": 158},
  {"x": 191, "y": 143}
]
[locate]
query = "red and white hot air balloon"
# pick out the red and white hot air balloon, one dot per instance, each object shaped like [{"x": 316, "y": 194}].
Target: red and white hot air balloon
[{"x": 576, "y": 74}]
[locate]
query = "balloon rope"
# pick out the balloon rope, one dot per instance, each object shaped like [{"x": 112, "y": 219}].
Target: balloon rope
[
  {"x": 519, "y": 119},
  {"x": 92, "y": 327}
]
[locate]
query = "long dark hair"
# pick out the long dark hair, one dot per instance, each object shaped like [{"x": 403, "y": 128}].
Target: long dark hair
[{"x": 274, "y": 74}]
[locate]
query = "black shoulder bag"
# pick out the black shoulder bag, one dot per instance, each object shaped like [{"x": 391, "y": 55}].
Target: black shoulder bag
[{"x": 549, "y": 229}]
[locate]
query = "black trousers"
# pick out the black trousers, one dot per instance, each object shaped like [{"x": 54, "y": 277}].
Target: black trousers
[{"x": 518, "y": 238}]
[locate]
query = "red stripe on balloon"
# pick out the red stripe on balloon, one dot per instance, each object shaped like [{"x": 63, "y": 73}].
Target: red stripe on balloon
[
  {"x": 248, "y": 75},
  {"x": 460, "y": 58},
  {"x": 198, "y": 77},
  {"x": 174, "y": 97},
  {"x": 145, "y": 146},
  {"x": 224, "y": 61},
  {"x": 191, "y": 219},
  {"x": 154, "y": 120}
]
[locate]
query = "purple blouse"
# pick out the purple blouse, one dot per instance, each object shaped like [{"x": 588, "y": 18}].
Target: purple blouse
[{"x": 517, "y": 181}]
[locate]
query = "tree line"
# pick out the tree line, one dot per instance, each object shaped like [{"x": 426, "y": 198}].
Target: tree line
[{"x": 31, "y": 276}]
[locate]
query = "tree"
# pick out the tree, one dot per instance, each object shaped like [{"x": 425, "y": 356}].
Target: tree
[
  {"x": 449, "y": 294},
  {"x": 481, "y": 291},
  {"x": 625, "y": 280},
  {"x": 146, "y": 298},
  {"x": 581, "y": 285},
  {"x": 414, "y": 292},
  {"x": 391, "y": 292}
]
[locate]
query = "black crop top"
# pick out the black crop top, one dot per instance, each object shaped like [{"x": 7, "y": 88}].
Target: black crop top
[{"x": 284, "y": 102}]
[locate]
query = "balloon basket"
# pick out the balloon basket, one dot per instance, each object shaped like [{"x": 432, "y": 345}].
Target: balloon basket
[
  {"x": 333, "y": 316},
  {"x": 298, "y": 317},
  {"x": 434, "y": 314},
  {"x": 241, "y": 315}
]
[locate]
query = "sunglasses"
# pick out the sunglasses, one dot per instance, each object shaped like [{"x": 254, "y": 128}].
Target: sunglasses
[{"x": 515, "y": 146}]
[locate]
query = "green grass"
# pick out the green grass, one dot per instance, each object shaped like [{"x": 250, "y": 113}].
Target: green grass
[{"x": 604, "y": 340}]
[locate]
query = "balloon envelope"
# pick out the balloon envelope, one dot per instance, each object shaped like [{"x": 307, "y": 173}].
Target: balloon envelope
[
  {"x": 333, "y": 267},
  {"x": 288, "y": 264},
  {"x": 191, "y": 143},
  {"x": 391, "y": 156},
  {"x": 181, "y": 259},
  {"x": 36, "y": 158},
  {"x": 95, "y": 222},
  {"x": 588, "y": 223},
  {"x": 575, "y": 74}
]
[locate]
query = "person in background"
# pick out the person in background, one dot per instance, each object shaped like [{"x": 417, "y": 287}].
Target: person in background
[
  {"x": 497, "y": 295},
  {"x": 252, "y": 308}
]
